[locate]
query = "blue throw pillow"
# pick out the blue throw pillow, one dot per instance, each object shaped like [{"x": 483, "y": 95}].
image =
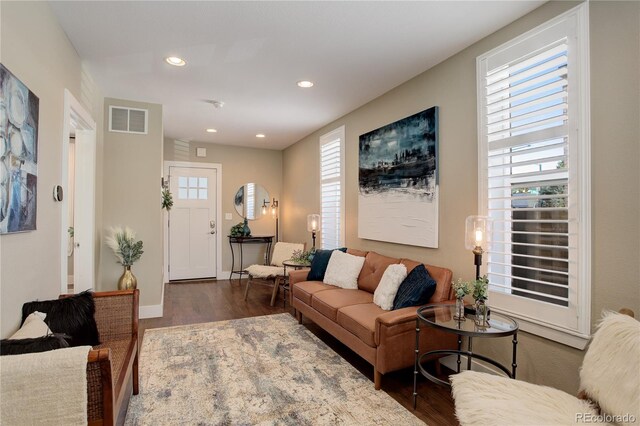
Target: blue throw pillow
[
  {"x": 416, "y": 289},
  {"x": 319, "y": 264}
]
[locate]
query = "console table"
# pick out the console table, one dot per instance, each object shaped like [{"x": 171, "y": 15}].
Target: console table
[
  {"x": 441, "y": 317},
  {"x": 240, "y": 241}
]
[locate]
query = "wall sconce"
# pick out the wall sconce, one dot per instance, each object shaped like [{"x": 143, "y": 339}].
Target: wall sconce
[
  {"x": 477, "y": 238},
  {"x": 274, "y": 211},
  {"x": 264, "y": 207},
  {"x": 313, "y": 226}
]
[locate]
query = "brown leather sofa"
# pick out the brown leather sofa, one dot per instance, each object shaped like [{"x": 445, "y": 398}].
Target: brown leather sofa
[{"x": 386, "y": 339}]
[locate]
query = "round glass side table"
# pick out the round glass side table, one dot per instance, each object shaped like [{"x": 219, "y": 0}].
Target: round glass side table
[{"x": 441, "y": 317}]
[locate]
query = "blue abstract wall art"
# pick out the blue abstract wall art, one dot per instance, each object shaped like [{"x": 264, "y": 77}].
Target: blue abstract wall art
[
  {"x": 19, "y": 109},
  {"x": 398, "y": 181}
]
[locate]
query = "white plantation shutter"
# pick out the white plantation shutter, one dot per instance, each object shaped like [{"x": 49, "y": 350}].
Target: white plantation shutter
[
  {"x": 332, "y": 189},
  {"x": 533, "y": 167},
  {"x": 251, "y": 201}
]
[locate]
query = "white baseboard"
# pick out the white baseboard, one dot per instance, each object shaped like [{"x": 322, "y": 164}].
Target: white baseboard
[
  {"x": 451, "y": 362},
  {"x": 224, "y": 275},
  {"x": 150, "y": 311}
]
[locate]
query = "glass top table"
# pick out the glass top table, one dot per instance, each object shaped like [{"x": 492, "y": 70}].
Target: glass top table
[{"x": 442, "y": 317}]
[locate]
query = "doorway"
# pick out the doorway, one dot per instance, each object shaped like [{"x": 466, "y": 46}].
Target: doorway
[
  {"x": 78, "y": 230},
  {"x": 192, "y": 240}
]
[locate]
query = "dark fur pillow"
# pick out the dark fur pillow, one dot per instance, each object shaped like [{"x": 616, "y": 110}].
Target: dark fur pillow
[
  {"x": 38, "y": 344},
  {"x": 72, "y": 315}
]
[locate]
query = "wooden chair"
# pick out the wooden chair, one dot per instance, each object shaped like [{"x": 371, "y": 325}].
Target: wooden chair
[{"x": 273, "y": 274}]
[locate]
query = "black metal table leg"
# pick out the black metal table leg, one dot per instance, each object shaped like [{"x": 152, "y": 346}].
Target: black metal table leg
[
  {"x": 233, "y": 260},
  {"x": 459, "y": 350},
  {"x": 469, "y": 353},
  {"x": 415, "y": 366},
  {"x": 514, "y": 364}
]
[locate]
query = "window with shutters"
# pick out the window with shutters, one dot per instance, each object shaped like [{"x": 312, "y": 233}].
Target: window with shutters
[
  {"x": 534, "y": 176},
  {"x": 332, "y": 189},
  {"x": 251, "y": 201}
]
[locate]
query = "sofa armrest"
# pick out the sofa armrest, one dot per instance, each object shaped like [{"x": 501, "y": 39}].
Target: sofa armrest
[
  {"x": 298, "y": 276},
  {"x": 100, "y": 392},
  {"x": 117, "y": 314}
]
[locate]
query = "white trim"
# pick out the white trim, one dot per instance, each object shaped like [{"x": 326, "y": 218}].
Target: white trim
[
  {"x": 225, "y": 275},
  {"x": 146, "y": 120},
  {"x": 580, "y": 97},
  {"x": 451, "y": 362},
  {"x": 150, "y": 311},
  {"x": 76, "y": 117},
  {"x": 338, "y": 133},
  {"x": 197, "y": 165}
]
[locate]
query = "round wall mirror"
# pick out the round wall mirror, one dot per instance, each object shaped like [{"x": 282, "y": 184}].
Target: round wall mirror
[{"x": 249, "y": 199}]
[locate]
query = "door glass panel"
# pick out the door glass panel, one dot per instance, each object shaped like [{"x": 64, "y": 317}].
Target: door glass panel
[
  {"x": 202, "y": 194},
  {"x": 193, "y": 194},
  {"x": 203, "y": 182},
  {"x": 182, "y": 182},
  {"x": 182, "y": 194},
  {"x": 193, "y": 182}
]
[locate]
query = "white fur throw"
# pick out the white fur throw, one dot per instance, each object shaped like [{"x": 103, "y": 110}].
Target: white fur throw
[
  {"x": 343, "y": 270},
  {"x": 486, "y": 399},
  {"x": 610, "y": 373},
  {"x": 284, "y": 251},
  {"x": 263, "y": 271},
  {"x": 389, "y": 283},
  {"x": 44, "y": 388}
]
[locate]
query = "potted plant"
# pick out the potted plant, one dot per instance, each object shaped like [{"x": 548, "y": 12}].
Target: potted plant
[
  {"x": 480, "y": 295},
  {"x": 460, "y": 289},
  {"x": 167, "y": 199},
  {"x": 128, "y": 251},
  {"x": 302, "y": 257}
]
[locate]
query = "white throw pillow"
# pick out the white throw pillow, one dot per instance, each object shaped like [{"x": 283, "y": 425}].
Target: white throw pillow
[
  {"x": 33, "y": 327},
  {"x": 343, "y": 270},
  {"x": 389, "y": 283}
]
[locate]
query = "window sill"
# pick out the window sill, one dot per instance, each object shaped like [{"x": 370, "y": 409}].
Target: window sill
[{"x": 547, "y": 331}]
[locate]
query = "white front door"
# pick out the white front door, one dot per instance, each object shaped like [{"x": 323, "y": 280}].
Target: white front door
[{"x": 192, "y": 223}]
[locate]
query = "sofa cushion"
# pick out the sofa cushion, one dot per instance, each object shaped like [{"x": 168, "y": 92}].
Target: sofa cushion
[
  {"x": 343, "y": 270},
  {"x": 443, "y": 277},
  {"x": 73, "y": 315},
  {"x": 390, "y": 282},
  {"x": 304, "y": 290},
  {"x": 374, "y": 266},
  {"x": 360, "y": 320},
  {"x": 319, "y": 264},
  {"x": 32, "y": 327},
  {"x": 329, "y": 301},
  {"x": 416, "y": 289}
]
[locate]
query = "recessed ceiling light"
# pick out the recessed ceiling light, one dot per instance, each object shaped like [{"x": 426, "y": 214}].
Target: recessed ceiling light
[
  {"x": 175, "y": 61},
  {"x": 305, "y": 83},
  {"x": 212, "y": 131},
  {"x": 260, "y": 135}
]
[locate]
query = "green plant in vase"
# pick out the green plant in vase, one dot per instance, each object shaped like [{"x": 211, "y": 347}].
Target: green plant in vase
[
  {"x": 460, "y": 289},
  {"x": 127, "y": 250},
  {"x": 480, "y": 295},
  {"x": 303, "y": 257}
]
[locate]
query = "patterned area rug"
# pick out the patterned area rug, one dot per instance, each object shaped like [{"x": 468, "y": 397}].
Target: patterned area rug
[{"x": 255, "y": 371}]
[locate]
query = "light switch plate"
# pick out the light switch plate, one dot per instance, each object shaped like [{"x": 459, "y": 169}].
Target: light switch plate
[{"x": 228, "y": 216}]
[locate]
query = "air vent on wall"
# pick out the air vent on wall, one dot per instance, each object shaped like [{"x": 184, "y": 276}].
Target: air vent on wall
[{"x": 127, "y": 120}]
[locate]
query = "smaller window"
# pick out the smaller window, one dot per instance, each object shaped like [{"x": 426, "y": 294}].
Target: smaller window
[
  {"x": 192, "y": 188},
  {"x": 332, "y": 189}
]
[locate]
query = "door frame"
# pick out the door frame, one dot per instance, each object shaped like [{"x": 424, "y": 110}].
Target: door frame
[
  {"x": 165, "y": 214},
  {"x": 77, "y": 118}
]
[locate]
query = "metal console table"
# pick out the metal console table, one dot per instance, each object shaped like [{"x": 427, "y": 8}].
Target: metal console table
[
  {"x": 240, "y": 241},
  {"x": 441, "y": 317}
]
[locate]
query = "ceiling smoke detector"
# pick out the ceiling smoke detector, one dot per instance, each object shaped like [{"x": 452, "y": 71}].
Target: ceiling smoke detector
[{"x": 216, "y": 104}]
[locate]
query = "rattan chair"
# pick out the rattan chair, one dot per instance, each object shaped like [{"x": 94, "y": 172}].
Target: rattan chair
[{"x": 111, "y": 364}]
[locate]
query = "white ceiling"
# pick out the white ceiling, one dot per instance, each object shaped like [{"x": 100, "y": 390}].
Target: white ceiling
[{"x": 251, "y": 54}]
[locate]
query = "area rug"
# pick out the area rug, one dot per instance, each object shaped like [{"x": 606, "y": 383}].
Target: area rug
[{"x": 265, "y": 370}]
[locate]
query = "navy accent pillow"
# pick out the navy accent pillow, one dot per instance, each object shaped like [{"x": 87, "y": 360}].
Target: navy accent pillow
[
  {"x": 72, "y": 315},
  {"x": 319, "y": 264},
  {"x": 38, "y": 344},
  {"x": 416, "y": 289}
]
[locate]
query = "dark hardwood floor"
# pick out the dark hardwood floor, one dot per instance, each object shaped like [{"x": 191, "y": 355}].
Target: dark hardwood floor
[{"x": 204, "y": 301}]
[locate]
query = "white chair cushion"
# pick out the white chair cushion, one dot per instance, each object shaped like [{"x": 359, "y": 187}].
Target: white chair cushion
[
  {"x": 33, "y": 327},
  {"x": 389, "y": 283},
  {"x": 343, "y": 270},
  {"x": 284, "y": 251},
  {"x": 486, "y": 399},
  {"x": 610, "y": 371},
  {"x": 263, "y": 271}
]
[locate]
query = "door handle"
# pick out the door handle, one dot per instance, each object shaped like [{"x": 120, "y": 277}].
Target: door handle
[{"x": 212, "y": 232}]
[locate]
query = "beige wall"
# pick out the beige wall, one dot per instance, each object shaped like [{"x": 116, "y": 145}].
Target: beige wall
[
  {"x": 132, "y": 169},
  {"x": 35, "y": 49},
  {"x": 239, "y": 166},
  {"x": 451, "y": 85}
]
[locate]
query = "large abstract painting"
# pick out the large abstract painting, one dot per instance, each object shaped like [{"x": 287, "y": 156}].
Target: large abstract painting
[
  {"x": 398, "y": 177},
  {"x": 18, "y": 154}
]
